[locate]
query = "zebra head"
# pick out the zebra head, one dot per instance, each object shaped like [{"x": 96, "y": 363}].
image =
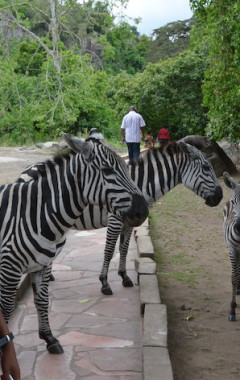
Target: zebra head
[
  {"x": 197, "y": 174},
  {"x": 114, "y": 185},
  {"x": 234, "y": 201}
]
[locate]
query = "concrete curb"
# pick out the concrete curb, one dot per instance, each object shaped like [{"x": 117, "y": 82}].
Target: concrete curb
[{"x": 156, "y": 360}]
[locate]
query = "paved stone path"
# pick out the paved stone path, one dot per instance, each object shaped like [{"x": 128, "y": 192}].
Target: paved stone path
[{"x": 101, "y": 335}]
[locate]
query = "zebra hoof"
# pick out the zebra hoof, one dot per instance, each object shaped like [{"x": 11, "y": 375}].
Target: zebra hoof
[
  {"x": 55, "y": 348},
  {"x": 232, "y": 318},
  {"x": 127, "y": 283},
  {"x": 106, "y": 290},
  {"x": 51, "y": 278}
]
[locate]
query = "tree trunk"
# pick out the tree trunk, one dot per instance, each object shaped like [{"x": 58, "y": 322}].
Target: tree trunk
[{"x": 54, "y": 31}]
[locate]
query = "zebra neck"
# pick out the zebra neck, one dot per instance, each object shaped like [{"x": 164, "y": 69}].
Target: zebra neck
[
  {"x": 59, "y": 185},
  {"x": 155, "y": 174}
]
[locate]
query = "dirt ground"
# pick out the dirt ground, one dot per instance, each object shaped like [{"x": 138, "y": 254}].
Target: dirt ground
[
  {"x": 195, "y": 283},
  {"x": 194, "y": 276},
  {"x": 14, "y": 160}
]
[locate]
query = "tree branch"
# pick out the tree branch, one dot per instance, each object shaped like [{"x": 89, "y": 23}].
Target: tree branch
[{"x": 29, "y": 5}]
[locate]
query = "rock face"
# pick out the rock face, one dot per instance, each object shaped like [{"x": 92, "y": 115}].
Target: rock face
[{"x": 219, "y": 159}]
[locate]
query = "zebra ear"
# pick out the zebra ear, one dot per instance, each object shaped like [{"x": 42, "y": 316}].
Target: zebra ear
[
  {"x": 190, "y": 150},
  {"x": 229, "y": 182},
  {"x": 79, "y": 146}
]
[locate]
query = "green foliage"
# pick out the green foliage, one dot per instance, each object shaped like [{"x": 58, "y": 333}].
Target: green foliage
[
  {"x": 37, "y": 107},
  {"x": 29, "y": 57},
  {"x": 167, "y": 94},
  {"x": 170, "y": 40},
  {"x": 220, "y": 20},
  {"x": 86, "y": 70},
  {"x": 124, "y": 50}
]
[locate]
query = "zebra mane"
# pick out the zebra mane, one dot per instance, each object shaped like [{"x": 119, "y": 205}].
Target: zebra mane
[
  {"x": 40, "y": 168},
  {"x": 170, "y": 148}
]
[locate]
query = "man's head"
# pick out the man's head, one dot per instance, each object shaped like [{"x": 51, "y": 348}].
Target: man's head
[{"x": 132, "y": 108}]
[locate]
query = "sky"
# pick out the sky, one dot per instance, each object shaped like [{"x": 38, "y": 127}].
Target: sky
[{"x": 157, "y": 13}]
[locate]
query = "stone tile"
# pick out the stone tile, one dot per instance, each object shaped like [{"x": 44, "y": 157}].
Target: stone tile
[
  {"x": 58, "y": 320},
  {"x": 66, "y": 276},
  {"x": 71, "y": 306},
  {"x": 55, "y": 367},
  {"x": 118, "y": 359},
  {"x": 91, "y": 320},
  {"x": 30, "y": 322},
  {"x": 74, "y": 338},
  {"x": 91, "y": 332},
  {"x": 123, "y": 308},
  {"x": 124, "y": 330},
  {"x": 89, "y": 365},
  {"x": 61, "y": 267},
  {"x": 63, "y": 293},
  {"x": 28, "y": 340},
  {"x": 26, "y": 361}
]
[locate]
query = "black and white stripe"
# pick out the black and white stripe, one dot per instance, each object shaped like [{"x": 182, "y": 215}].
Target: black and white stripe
[
  {"x": 156, "y": 172},
  {"x": 35, "y": 215},
  {"x": 231, "y": 231}
]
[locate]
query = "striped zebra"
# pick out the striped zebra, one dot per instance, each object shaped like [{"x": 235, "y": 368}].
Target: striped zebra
[
  {"x": 155, "y": 173},
  {"x": 231, "y": 231},
  {"x": 35, "y": 216}
]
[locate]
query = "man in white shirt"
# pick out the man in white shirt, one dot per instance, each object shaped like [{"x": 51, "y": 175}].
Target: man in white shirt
[{"x": 132, "y": 127}]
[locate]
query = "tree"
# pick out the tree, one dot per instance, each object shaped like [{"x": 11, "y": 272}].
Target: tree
[
  {"x": 124, "y": 49},
  {"x": 170, "y": 40},
  {"x": 221, "y": 89},
  {"x": 167, "y": 94},
  {"x": 47, "y": 87}
]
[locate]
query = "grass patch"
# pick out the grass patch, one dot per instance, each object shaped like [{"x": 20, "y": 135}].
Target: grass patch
[
  {"x": 179, "y": 259},
  {"x": 187, "y": 278},
  {"x": 177, "y": 240}
]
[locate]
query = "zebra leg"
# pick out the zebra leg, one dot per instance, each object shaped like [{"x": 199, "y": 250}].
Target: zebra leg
[
  {"x": 9, "y": 279},
  {"x": 238, "y": 280},
  {"x": 123, "y": 248},
  {"x": 113, "y": 231},
  {"x": 235, "y": 281},
  {"x": 40, "y": 281},
  {"x": 238, "y": 288}
]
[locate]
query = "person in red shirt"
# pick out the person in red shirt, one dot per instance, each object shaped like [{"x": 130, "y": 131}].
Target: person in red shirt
[{"x": 163, "y": 136}]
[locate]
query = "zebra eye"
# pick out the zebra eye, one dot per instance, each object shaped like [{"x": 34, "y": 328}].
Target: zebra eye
[
  {"x": 206, "y": 166},
  {"x": 108, "y": 170}
]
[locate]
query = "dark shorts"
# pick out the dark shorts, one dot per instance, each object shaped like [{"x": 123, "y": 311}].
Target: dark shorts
[{"x": 133, "y": 151}]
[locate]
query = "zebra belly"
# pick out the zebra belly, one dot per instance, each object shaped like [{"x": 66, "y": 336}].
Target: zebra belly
[{"x": 37, "y": 260}]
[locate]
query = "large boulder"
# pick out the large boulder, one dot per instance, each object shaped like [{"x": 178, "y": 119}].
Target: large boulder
[{"x": 219, "y": 159}]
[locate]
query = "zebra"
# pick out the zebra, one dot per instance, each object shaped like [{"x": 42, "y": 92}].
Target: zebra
[
  {"x": 231, "y": 232},
  {"x": 155, "y": 173},
  {"x": 35, "y": 216}
]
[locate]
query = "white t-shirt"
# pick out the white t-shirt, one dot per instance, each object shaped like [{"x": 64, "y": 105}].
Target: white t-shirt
[{"x": 132, "y": 122}]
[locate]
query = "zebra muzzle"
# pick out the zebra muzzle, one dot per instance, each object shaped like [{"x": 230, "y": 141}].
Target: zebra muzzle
[
  {"x": 216, "y": 198},
  {"x": 138, "y": 212}
]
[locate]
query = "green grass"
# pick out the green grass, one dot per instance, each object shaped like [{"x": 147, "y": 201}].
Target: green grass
[
  {"x": 187, "y": 278},
  {"x": 176, "y": 238}
]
